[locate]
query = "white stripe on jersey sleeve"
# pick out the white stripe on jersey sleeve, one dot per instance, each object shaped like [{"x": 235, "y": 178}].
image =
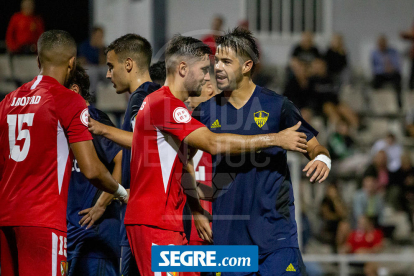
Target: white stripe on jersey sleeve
[
  {"x": 168, "y": 147},
  {"x": 62, "y": 154}
]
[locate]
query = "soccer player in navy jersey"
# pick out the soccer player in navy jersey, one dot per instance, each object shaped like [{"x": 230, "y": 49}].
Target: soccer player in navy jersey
[
  {"x": 128, "y": 60},
  {"x": 96, "y": 250},
  {"x": 255, "y": 188}
]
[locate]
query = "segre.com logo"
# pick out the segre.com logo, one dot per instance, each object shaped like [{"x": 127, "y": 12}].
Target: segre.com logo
[{"x": 211, "y": 258}]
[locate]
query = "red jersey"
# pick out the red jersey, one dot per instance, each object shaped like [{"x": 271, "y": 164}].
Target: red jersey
[
  {"x": 359, "y": 239},
  {"x": 37, "y": 123},
  {"x": 203, "y": 173},
  {"x": 158, "y": 154},
  {"x": 210, "y": 41},
  {"x": 23, "y": 30}
]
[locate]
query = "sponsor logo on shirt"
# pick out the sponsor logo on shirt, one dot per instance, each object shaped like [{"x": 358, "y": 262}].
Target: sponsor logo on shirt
[
  {"x": 260, "y": 117},
  {"x": 25, "y": 101},
  {"x": 142, "y": 105},
  {"x": 63, "y": 268},
  {"x": 290, "y": 268},
  {"x": 181, "y": 115},
  {"x": 84, "y": 117},
  {"x": 216, "y": 124}
]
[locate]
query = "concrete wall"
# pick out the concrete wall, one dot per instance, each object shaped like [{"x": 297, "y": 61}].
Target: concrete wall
[{"x": 119, "y": 17}]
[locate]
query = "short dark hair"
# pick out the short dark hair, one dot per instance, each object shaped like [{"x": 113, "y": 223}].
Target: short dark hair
[
  {"x": 60, "y": 42},
  {"x": 184, "y": 46},
  {"x": 81, "y": 79},
  {"x": 132, "y": 46},
  {"x": 158, "y": 72},
  {"x": 241, "y": 41}
]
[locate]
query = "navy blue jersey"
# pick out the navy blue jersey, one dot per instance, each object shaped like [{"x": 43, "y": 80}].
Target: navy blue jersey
[
  {"x": 102, "y": 240},
  {"x": 134, "y": 104},
  {"x": 254, "y": 202}
]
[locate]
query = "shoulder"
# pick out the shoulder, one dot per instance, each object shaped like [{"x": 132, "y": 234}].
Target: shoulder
[
  {"x": 271, "y": 95},
  {"x": 99, "y": 115}
]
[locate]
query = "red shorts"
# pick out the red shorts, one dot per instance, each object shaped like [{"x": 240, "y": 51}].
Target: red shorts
[
  {"x": 142, "y": 237},
  {"x": 32, "y": 251}
]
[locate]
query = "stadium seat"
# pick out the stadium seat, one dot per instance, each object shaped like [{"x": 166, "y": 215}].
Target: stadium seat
[
  {"x": 384, "y": 101},
  {"x": 25, "y": 67}
]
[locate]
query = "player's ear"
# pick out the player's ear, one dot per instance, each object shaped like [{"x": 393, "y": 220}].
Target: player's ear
[
  {"x": 75, "y": 88},
  {"x": 183, "y": 68},
  {"x": 72, "y": 64},
  {"x": 129, "y": 64},
  {"x": 247, "y": 66}
]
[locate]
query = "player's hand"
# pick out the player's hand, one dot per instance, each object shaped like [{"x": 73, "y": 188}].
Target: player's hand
[
  {"x": 95, "y": 127},
  {"x": 125, "y": 200},
  {"x": 202, "y": 224},
  {"x": 91, "y": 215},
  {"x": 291, "y": 139},
  {"x": 320, "y": 168}
]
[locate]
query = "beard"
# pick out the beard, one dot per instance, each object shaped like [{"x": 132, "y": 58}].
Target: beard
[{"x": 193, "y": 86}]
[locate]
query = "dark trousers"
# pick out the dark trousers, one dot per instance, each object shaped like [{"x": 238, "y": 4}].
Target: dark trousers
[
  {"x": 411, "y": 82},
  {"x": 394, "y": 79}
]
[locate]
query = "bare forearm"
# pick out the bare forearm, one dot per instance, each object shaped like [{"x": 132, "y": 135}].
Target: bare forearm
[
  {"x": 119, "y": 136},
  {"x": 190, "y": 187},
  {"x": 104, "y": 199},
  {"x": 319, "y": 149},
  {"x": 104, "y": 181},
  {"x": 236, "y": 144}
]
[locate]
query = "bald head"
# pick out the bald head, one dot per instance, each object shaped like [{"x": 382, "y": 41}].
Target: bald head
[{"x": 56, "y": 48}]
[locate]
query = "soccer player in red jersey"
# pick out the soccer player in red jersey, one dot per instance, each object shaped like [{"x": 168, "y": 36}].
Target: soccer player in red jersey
[
  {"x": 40, "y": 123},
  {"x": 163, "y": 129}
]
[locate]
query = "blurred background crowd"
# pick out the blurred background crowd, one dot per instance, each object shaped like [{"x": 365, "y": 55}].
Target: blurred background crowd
[{"x": 361, "y": 102}]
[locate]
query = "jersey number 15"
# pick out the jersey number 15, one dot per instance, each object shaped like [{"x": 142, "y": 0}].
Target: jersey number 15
[{"x": 18, "y": 153}]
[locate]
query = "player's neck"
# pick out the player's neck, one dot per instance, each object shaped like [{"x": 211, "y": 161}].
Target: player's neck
[
  {"x": 241, "y": 95},
  {"x": 176, "y": 89},
  {"x": 138, "y": 80},
  {"x": 57, "y": 73}
]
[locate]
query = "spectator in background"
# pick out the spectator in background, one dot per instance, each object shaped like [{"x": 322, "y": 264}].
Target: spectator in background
[
  {"x": 368, "y": 202},
  {"x": 92, "y": 50},
  {"x": 302, "y": 57},
  {"x": 394, "y": 152},
  {"x": 216, "y": 28},
  {"x": 386, "y": 67},
  {"x": 336, "y": 58},
  {"x": 91, "y": 55},
  {"x": 409, "y": 35},
  {"x": 366, "y": 239},
  {"x": 406, "y": 195},
  {"x": 323, "y": 94},
  {"x": 333, "y": 212},
  {"x": 24, "y": 30},
  {"x": 340, "y": 143},
  {"x": 378, "y": 170}
]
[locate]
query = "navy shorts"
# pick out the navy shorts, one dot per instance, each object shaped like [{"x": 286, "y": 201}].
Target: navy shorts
[
  {"x": 93, "y": 267},
  {"x": 282, "y": 262},
  {"x": 128, "y": 264}
]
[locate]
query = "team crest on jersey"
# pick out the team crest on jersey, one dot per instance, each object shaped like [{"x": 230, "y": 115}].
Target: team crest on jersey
[
  {"x": 84, "y": 117},
  {"x": 63, "y": 268},
  {"x": 181, "y": 115},
  {"x": 142, "y": 105},
  {"x": 172, "y": 273},
  {"x": 260, "y": 117}
]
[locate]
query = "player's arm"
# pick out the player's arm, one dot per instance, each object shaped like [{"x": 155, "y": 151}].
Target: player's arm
[
  {"x": 91, "y": 215},
  {"x": 95, "y": 171},
  {"x": 320, "y": 161},
  {"x": 215, "y": 143},
  {"x": 200, "y": 216},
  {"x": 119, "y": 136}
]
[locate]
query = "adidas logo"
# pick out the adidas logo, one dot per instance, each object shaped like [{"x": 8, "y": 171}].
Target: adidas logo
[
  {"x": 291, "y": 268},
  {"x": 216, "y": 124}
]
